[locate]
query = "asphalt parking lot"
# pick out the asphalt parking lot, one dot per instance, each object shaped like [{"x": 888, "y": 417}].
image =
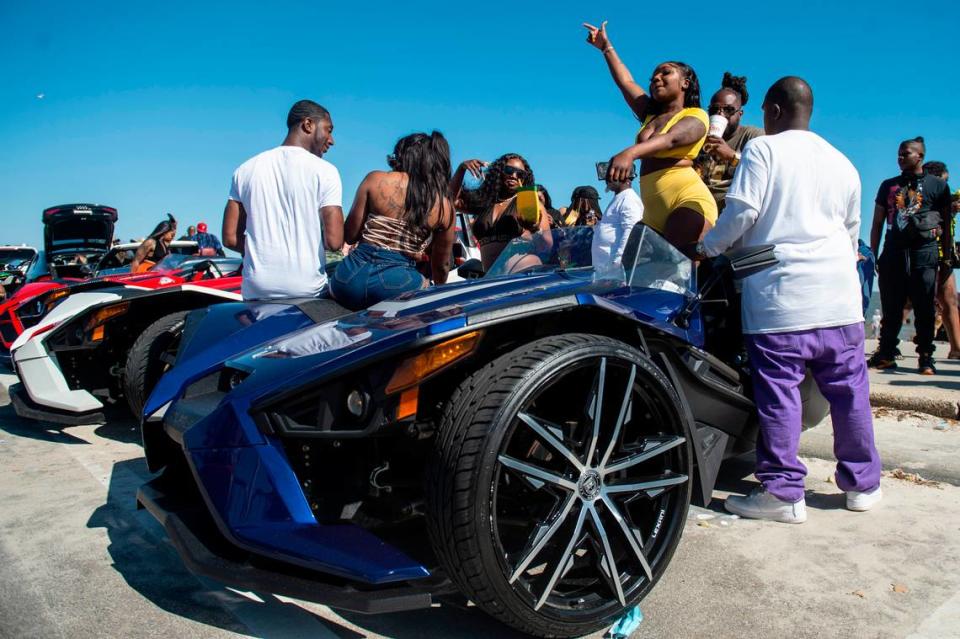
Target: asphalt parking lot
[{"x": 78, "y": 560}]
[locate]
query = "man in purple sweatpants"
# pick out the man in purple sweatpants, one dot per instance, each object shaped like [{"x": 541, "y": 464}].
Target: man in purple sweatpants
[{"x": 794, "y": 190}]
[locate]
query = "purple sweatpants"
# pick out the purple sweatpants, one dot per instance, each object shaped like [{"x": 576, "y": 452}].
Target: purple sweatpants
[{"x": 835, "y": 357}]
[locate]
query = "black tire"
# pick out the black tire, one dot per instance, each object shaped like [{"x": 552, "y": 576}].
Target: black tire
[
  {"x": 483, "y": 513},
  {"x": 151, "y": 355}
]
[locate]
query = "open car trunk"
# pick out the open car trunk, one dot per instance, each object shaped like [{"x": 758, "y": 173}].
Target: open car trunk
[{"x": 75, "y": 234}]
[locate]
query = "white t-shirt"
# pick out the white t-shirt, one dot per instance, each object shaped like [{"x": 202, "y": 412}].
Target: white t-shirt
[
  {"x": 282, "y": 191},
  {"x": 611, "y": 232},
  {"x": 795, "y": 190}
]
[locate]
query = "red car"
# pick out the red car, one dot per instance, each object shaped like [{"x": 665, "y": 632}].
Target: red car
[{"x": 34, "y": 300}]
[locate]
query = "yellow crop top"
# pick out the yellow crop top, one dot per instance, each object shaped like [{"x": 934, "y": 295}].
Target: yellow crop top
[{"x": 690, "y": 151}]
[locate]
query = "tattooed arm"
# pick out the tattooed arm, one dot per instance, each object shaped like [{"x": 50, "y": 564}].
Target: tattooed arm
[{"x": 353, "y": 227}]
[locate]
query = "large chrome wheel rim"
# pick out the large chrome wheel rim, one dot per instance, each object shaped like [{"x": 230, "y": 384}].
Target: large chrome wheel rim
[{"x": 590, "y": 488}]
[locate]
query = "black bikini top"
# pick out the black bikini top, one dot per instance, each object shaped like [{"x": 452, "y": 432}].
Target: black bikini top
[
  {"x": 505, "y": 228},
  {"x": 159, "y": 252}
]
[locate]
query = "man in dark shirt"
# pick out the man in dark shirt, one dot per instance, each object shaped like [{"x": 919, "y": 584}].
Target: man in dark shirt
[
  {"x": 720, "y": 155},
  {"x": 915, "y": 209}
]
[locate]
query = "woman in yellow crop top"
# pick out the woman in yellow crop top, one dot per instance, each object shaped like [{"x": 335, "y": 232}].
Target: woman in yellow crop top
[{"x": 676, "y": 201}]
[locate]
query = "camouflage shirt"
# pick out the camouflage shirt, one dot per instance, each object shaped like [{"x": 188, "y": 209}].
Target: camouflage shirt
[{"x": 717, "y": 174}]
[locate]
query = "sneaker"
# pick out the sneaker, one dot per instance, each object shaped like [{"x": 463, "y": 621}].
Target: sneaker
[
  {"x": 882, "y": 362},
  {"x": 926, "y": 366},
  {"x": 762, "y": 505},
  {"x": 862, "y": 502}
]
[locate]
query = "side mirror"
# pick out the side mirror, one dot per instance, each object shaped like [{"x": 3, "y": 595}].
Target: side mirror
[
  {"x": 747, "y": 260},
  {"x": 472, "y": 269}
]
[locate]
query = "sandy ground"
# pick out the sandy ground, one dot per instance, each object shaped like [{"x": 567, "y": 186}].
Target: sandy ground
[{"x": 77, "y": 559}]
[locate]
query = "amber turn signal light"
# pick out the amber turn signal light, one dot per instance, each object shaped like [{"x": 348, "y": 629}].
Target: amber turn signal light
[
  {"x": 107, "y": 313},
  {"x": 414, "y": 370}
]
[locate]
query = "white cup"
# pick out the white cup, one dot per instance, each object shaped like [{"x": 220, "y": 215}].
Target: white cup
[{"x": 718, "y": 124}]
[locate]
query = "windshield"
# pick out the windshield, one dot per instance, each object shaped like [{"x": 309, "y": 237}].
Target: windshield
[
  {"x": 15, "y": 259},
  {"x": 649, "y": 261},
  {"x": 560, "y": 249}
]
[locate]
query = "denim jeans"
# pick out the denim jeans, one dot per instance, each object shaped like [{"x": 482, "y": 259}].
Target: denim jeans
[
  {"x": 371, "y": 274},
  {"x": 866, "y": 269}
]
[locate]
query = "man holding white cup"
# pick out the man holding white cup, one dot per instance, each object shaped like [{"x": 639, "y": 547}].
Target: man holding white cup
[{"x": 726, "y": 138}]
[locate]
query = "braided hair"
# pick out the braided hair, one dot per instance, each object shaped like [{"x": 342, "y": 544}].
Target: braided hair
[
  {"x": 691, "y": 95},
  {"x": 737, "y": 84},
  {"x": 490, "y": 190}
]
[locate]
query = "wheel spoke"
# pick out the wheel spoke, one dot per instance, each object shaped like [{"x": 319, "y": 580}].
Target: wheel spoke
[
  {"x": 664, "y": 481},
  {"x": 565, "y": 558},
  {"x": 550, "y": 438},
  {"x": 536, "y": 472},
  {"x": 543, "y": 535},
  {"x": 597, "y": 411},
  {"x": 661, "y": 445},
  {"x": 635, "y": 543},
  {"x": 624, "y": 405},
  {"x": 608, "y": 553}
]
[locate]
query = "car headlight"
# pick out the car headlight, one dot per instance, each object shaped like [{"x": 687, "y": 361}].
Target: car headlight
[{"x": 33, "y": 310}]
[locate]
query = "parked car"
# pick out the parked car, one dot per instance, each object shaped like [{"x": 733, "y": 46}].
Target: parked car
[
  {"x": 531, "y": 439},
  {"x": 108, "y": 341},
  {"x": 117, "y": 259},
  {"x": 75, "y": 235},
  {"x": 18, "y": 265},
  {"x": 34, "y": 300}
]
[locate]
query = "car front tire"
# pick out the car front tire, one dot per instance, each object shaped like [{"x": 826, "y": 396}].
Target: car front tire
[{"x": 559, "y": 483}]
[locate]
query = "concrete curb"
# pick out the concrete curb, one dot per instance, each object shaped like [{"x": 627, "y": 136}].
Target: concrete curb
[{"x": 904, "y": 401}]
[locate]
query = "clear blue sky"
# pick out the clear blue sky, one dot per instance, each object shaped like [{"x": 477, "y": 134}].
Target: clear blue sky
[{"x": 149, "y": 107}]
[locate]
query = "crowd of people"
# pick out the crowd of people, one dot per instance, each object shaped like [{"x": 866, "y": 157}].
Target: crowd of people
[{"x": 706, "y": 182}]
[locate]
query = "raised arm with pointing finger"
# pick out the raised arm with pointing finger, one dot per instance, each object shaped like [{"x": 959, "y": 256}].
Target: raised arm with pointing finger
[
  {"x": 637, "y": 99},
  {"x": 676, "y": 202}
]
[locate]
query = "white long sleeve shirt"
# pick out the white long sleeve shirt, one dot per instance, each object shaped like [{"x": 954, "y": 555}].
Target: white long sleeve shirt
[
  {"x": 611, "y": 232},
  {"x": 796, "y": 191}
]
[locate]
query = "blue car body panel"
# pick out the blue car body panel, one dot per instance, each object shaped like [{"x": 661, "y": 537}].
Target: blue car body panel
[
  {"x": 259, "y": 505},
  {"x": 244, "y": 474}
]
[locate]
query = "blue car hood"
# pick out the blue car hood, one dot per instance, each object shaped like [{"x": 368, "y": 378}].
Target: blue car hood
[{"x": 280, "y": 346}]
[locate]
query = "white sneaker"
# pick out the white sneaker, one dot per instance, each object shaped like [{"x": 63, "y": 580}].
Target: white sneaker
[
  {"x": 762, "y": 505},
  {"x": 861, "y": 502}
]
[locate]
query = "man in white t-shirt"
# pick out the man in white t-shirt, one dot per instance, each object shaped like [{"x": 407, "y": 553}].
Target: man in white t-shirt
[
  {"x": 285, "y": 208},
  {"x": 796, "y": 191},
  {"x": 611, "y": 232}
]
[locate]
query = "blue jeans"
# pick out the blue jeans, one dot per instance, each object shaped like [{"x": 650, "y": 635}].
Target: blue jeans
[
  {"x": 371, "y": 274},
  {"x": 866, "y": 269}
]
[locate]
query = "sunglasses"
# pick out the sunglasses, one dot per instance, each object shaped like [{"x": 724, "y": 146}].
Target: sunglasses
[
  {"x": 512, "y": 170},
  {"x": 725, "y": 110}
]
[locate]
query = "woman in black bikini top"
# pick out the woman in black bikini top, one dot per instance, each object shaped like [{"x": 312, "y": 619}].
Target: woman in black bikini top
[
  {"x": 497, "y": 221},
  {"x": 156, "y": 246}
]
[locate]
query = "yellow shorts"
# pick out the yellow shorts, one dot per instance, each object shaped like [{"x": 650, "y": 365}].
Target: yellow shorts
[{"x": 663, "y": 192}]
